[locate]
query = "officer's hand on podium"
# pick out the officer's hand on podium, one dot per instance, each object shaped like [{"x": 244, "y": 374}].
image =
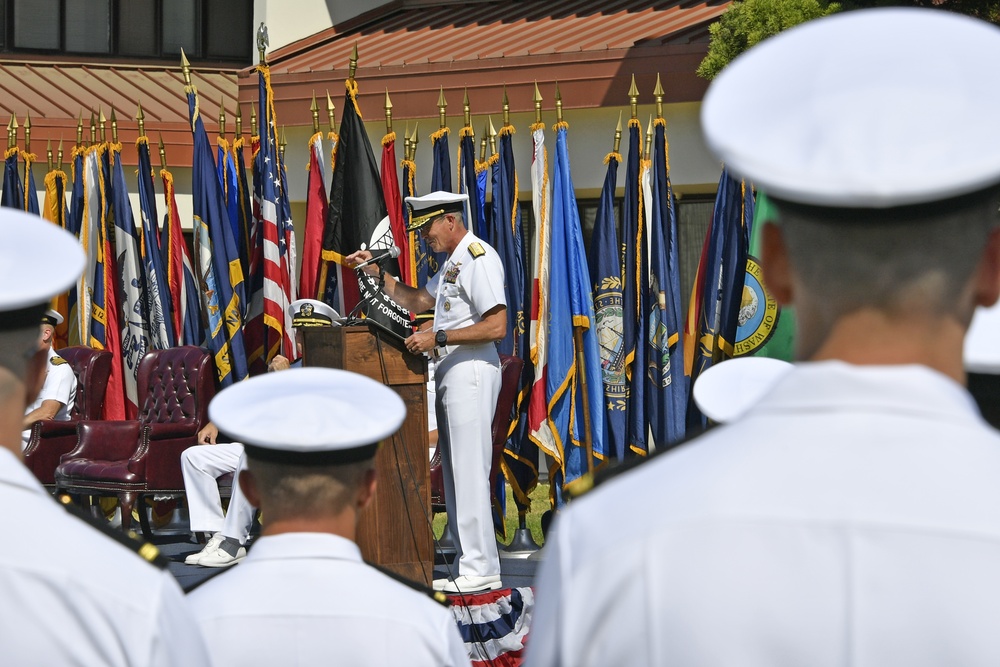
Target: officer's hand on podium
[{"x": 422, "y": 341}]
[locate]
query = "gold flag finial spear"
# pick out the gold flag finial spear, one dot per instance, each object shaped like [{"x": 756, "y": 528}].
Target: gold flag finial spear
[
  {"x": 140, "y": 118},
  {"x": 388, "y": 113},
  {"x": 262, "y": 43},
  {"x": 482, "y": 142},
  {"x": 414, "y": 140},
  {"x": 352, "y": 63},
  {"x": 314, "y": 110},
  {"x": 79, "y": 130},
  {"x": 406, "y": 141},
  {"x": 114, "y": 126},
  {"x": 282, "y": 143},
  {"x": 633, "y": 99},
  {"x": 505, "y": 107},
  {"x": 185, "y": 69},
  {"x": 13, "y": 119},
  {"x": 239, "y": 121},
  {"x": 222, "y": 121},
  {"x": 253, "y": 120},
  {"x": 330, "y": 109},
  {"x": 93, "y": 128},
  {"x": 27, "y": 132},
  {"x": 48, "y": 153},
  {"x": 618, "y": 133},
  {"x": 442, "y": 109},
  {"x": 538, "y": 104},
  {"x": 493, "y": 137},
  {"x": 559, "y": 117},
  {"x": 658, "y": 95},
  {"x": 104, "y": 125},
  {"x": 466, "y": 109},
  {"x": 10, "y": 132},
  {"x": 59, "y": 155},
  {"x": 163, "y": 154},
  {"x": 649, "y": 136}
]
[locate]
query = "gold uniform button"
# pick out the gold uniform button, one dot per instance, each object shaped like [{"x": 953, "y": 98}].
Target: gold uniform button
[{"x": 447, "y": 306}]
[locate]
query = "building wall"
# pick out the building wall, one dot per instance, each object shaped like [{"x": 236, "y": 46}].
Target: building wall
[{"x": 290, "y": 20}]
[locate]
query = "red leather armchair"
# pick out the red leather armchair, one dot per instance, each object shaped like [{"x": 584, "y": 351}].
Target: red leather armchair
[
  {"x": 510, "y": 380},
  {"x": 134, "y": 458},
  {"x": 51, "y": 438}
]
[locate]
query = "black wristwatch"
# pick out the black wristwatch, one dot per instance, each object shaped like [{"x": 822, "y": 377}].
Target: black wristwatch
[{"x": 441, "y": 338}]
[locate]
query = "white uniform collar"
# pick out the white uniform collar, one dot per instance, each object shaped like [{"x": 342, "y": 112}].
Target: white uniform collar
[
  {"x": 836, "y": 385},
  {"x": 462, "y": 246},
  {"x": 14, "y": 473},
  {"x": 304, "y": 545}
]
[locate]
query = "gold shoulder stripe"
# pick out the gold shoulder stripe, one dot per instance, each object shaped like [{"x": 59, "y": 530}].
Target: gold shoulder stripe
[
  {"x": 476, "y": 250},
  {"x": 57, "y": 361}
]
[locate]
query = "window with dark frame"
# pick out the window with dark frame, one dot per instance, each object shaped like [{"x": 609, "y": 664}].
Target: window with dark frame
[{"x": 212, "y": 30}]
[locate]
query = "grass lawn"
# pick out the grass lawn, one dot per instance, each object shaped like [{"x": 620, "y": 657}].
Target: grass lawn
[{"x": 539, "y": 504}]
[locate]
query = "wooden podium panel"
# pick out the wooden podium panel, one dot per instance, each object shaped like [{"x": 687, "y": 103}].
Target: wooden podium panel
[{"x": 394, "y": 531}]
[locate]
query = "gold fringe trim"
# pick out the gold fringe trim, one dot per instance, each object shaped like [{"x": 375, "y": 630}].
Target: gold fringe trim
[
  {"x": 634, "y": 122},
  {"x": 11, "y": 152},
  {"x": 222, "y": 143},
  {"x": 197, "y": 104},
  {"x": 561, "y": 125},
  {"x": 77, "y": 151},
  {"x": 481, "y": 166},
  {"x": 617, "y": 157},
  {"x": 238, "y": 144},
  {"x": 29, "y": 157},
  {"x": 493, "y": 159},
  {"x": 537, "y": 126},
  {"x": 466, "y": 132},
  {"x": 440, "y": 133},
  {"x": 389, "y": 139},
  {"x": 142, "y": 141},
  {"x": 352, "y": 92},
  {"x": 506, "y": 130},
  {"x": 659, "y": 122}
]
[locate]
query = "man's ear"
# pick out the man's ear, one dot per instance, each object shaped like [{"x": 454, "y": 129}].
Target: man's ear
[
  {"x": 249, "y": 485},
  {"x": 775, "y": 265},
  {"x": 366, "y": 491},
  {"x": 988, "y": 272}
]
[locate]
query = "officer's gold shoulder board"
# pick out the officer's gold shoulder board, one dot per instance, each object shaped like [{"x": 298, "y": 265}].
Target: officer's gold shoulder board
[
  {"x": 148, "y": 552},
  {"x": 476, "y": 249},
  {"x": 57, "y": 361}
]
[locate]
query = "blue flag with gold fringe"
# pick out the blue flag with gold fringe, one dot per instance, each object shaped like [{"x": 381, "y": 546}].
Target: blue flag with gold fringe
[{"x": 634, "y": 289}]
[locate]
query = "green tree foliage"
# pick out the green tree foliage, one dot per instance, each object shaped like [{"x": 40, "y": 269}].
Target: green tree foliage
[{"x": 748, "y": 22}]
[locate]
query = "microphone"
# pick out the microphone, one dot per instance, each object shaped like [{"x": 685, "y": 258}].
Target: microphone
[{"x": 391, "y": 253}]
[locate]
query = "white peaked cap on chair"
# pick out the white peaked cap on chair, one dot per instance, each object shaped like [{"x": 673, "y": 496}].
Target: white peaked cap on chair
[
  {"x": 38, "y": 260},
  {"x": 308, "y": 415},
  {"x": 729, "y": 389},
  {"x": 870, "y": 108}
]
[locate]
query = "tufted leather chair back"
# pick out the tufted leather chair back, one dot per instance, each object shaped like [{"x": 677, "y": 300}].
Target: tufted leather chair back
[
  {"x": 177, "y": 385},
  {"x": 92, "y": 368}
]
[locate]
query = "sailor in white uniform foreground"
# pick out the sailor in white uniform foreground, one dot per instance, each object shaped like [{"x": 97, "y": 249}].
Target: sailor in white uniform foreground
[
  {"x": 69, "y": 594},
  {"x": 303, "y": 596},
  {"x": 852, "y": 515}
]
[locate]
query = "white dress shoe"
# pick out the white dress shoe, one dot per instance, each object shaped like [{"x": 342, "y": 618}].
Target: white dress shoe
[
  {"x": 472, "y": 584},
  {"x": 439, "y": 584},
  {"x": 219, "y": 558},
  {"x": 213, "y": 544}
]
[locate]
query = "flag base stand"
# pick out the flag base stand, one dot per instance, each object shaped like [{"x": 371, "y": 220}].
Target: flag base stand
[
  {"x": 522, "y": 546},
  {"x": 444, "y": 548}
]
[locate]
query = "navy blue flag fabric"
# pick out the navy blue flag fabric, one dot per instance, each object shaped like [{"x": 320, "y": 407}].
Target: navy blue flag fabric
[
  {"x": 30, "y": 193},
  {"x": 666, "y": 399},
  {"x": 634, "y": 291},
  {"x": 469, "y": 184},
  {"x": 158, "y": 289},
  {"x": 245, "y": 216},
  {"x": 606, "y": 283},
  {"x": 225, "y": 328},
  {"x": 429, "y": 262},
  {"x": 12, "y": 195}
]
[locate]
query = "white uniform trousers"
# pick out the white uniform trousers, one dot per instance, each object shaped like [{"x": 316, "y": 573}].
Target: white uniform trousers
[
  {"x": 201, "y": 466},
  {"x": 468, "y": 383}
]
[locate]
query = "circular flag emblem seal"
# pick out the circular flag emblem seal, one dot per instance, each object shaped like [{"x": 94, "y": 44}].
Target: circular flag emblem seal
[{"x": 758, "y": 312}]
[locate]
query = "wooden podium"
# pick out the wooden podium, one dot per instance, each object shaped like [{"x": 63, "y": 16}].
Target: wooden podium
[{"x": 394, "y": 531}]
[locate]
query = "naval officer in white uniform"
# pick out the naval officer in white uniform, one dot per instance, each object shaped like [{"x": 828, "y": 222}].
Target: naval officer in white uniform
[
  {"x": 69, "y": 594},
  {"x": 470, "y": 315},
  {"x": 58, "y": 394},
  {"x": 202, "y": 466},
  {"x": 303, "y": 596},
  {"x": 851, "y": 516}
]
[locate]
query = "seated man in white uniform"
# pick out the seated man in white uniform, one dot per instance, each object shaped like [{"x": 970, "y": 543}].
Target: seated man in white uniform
[
  {"x": 55, "y": 400},
  {"x": 69, "y": 594},
  {"x": 852, "y": 515},
  {"x": 202, "y": 466},
  {"x": 303, "y": 596}
]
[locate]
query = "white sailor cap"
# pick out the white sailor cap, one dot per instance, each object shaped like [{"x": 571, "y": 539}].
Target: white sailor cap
[
  {"x": 308, "y": 416},
  {"x": 52, "y": 318},
  {"x": 433, "y": 205},
  {"x": 312, "y": 313},
  {"x": 727, "y": 390},
  {"x": 38, "y": 260},
  {"x": 866, "y": 109}
]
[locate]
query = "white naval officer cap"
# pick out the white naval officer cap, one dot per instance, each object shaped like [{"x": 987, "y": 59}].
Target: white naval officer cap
[
  {"x": 38, "y": 260},
  {"x": 312, "y": 313},
  {"x": 729, "y": 389},
  {"x": 426, "y": 208},
  {"x": 52, "y": 317},
  {"x": 308, "y": 416},
  {"x": 872, "y": 108}
]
